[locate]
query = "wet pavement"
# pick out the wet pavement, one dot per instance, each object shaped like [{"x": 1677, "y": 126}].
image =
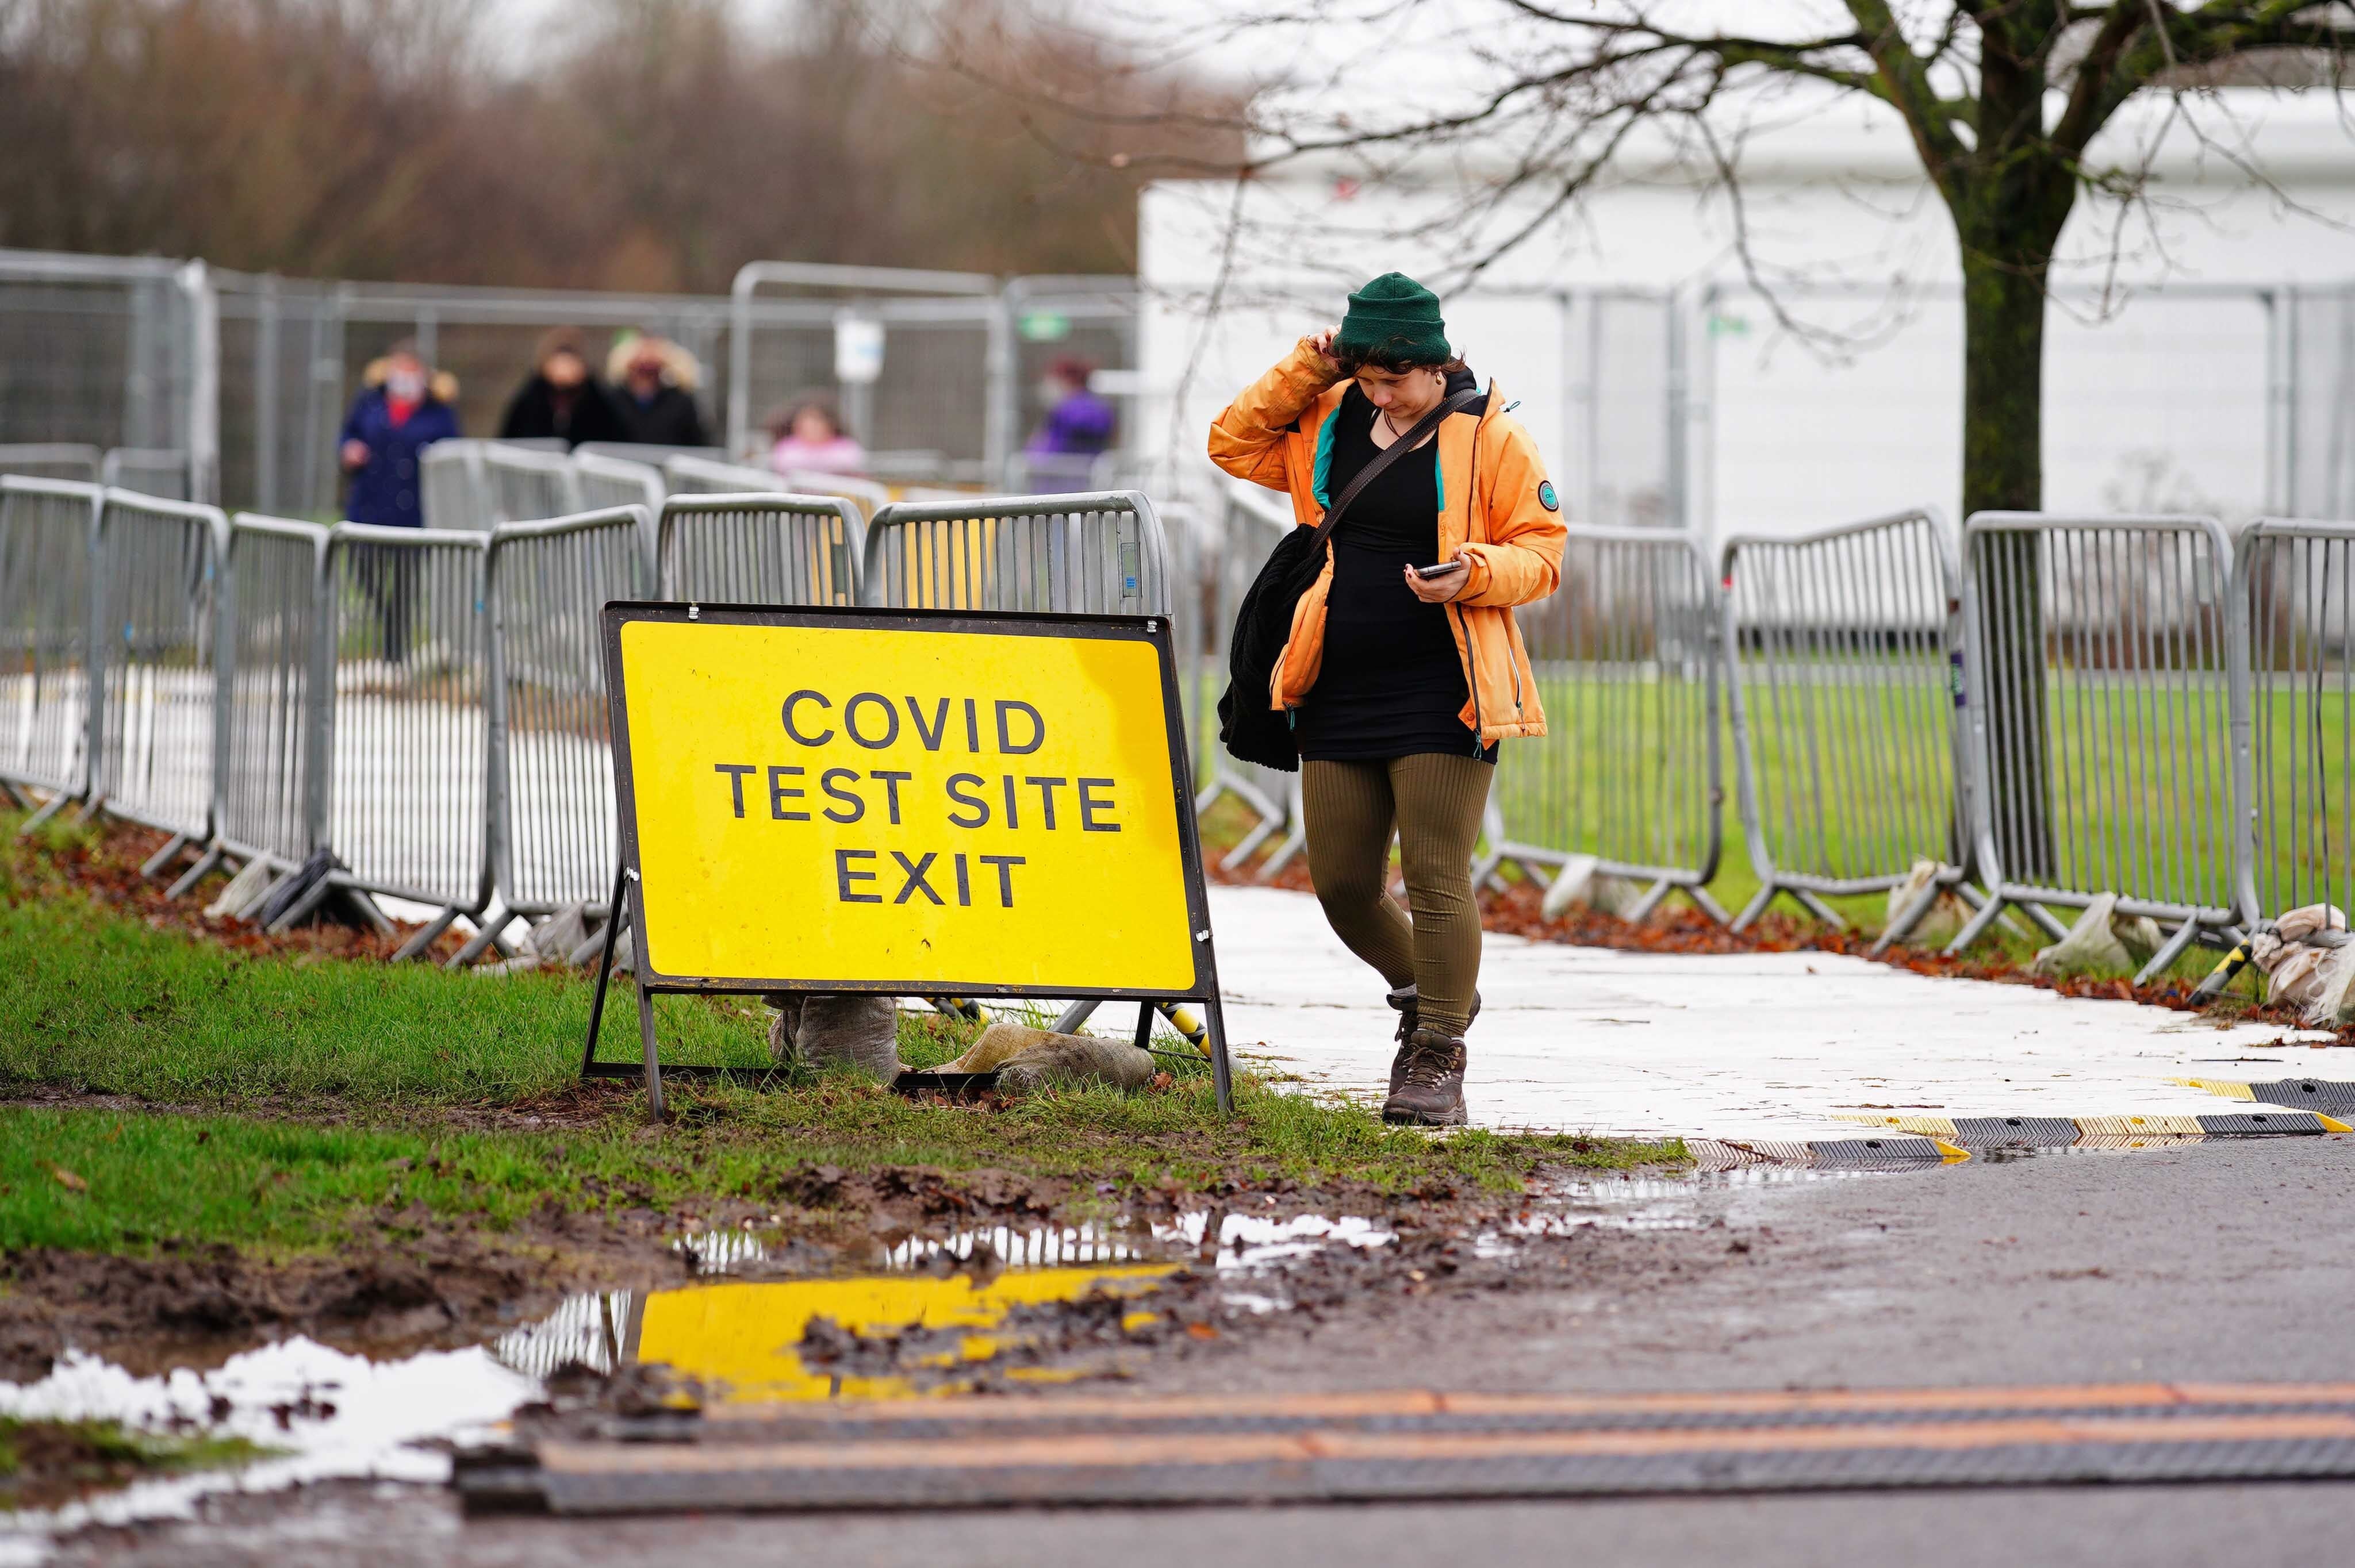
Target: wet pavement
[{"x": 1753, "y": 1047}]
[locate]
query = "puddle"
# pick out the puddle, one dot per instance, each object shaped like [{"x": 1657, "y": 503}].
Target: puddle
[
  {"x": 935, "y": 1314},
  {"x": 331, "y": 1417}
]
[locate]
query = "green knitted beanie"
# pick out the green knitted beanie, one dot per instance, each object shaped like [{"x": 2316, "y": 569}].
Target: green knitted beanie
[{"x": 1393, "y": 321}]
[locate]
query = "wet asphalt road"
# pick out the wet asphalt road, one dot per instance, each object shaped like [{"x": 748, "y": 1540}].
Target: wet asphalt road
[{"x": 2214, "y": 1261}]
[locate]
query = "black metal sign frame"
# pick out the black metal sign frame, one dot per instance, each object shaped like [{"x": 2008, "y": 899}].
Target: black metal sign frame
[{"x": 629, "y": 892}]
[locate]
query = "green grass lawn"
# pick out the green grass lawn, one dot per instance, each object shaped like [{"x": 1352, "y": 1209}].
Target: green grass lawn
[{"x": 421, "y": 1077}]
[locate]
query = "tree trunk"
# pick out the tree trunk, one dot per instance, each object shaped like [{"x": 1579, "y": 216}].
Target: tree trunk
[{"x": 2003, "y": 470}]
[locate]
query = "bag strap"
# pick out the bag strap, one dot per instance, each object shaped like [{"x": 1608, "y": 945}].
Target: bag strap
[{"x": 1388, "y": 455}]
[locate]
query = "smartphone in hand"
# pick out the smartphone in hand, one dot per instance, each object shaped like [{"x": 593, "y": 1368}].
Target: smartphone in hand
[{"x": 1444, "y": 569}]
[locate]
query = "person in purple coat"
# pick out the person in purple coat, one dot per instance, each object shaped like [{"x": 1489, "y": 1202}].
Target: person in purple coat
[
  {"x": 402, "y": 408},
  {"x": 1078, "y": 429}
]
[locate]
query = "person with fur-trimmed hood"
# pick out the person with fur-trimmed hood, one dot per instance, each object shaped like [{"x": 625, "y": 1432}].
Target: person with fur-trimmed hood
[
  {"x": 403, "y": 407},
  {"x": 653, "y": 381}
]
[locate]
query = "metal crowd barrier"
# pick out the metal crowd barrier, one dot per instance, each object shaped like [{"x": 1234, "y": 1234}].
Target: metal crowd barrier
[
  {"x": 2108, "y": 672},
  {"x": 150, "y": 471},
  {"x": 553, "y": 837},
  {"x": 454, "y": 492},
  {"x": 647, "y": 452},
  {"x": 529, "y": 486},
  {"x": 1844, "y": 652},
  {"x": 1183, "y": 531},
  {"x": 2291, "y": 580},
  {"x": 617, "y": 482},
  {"x": 52, "y": 459},
  {"x": 274, "y": 675},
  {"x": 49, "y": 541},
  {"x": 407, "y": 741},
  {"x": 1098, "y": 554},
  {"x": 157, "y": 609},
  {"x": 767, "y": 548},
  {"x": 706, "y": 476},
  {"x": 2151, "y": 714},
  {"x": 864, "y": 493},
  {"x": 1252, "y": 523},
  {"x": 1626, "y": 657}
]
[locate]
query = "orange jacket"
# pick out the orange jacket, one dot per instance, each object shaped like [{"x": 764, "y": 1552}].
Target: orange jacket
[{"x": 1494, "y": 505}]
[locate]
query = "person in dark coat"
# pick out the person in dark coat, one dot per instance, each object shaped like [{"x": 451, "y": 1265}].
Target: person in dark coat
[
  {"x": 562, "y": 398},
  {"x": 653, "y": 380},
  {"x": 402, "y": 408}
]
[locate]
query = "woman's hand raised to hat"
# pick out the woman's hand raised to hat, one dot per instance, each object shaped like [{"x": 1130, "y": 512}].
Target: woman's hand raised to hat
[{"x": 1322, "y": 341}]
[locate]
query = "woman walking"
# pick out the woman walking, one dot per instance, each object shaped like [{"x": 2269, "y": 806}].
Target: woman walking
[{"x": 1404, "y": 668}]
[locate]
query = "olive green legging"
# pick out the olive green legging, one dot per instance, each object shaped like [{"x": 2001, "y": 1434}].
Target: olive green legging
[{"x": 1435, "y": 802}]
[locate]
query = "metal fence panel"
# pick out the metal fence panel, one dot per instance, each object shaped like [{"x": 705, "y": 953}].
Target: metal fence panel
[
  {"x": 1845, "y": 652},
  {"x": 49, "y": 533},
  {"x": 93, "y": 349},
  {"x": 270, "y": 692},
  {"x": 1626, "y": 657},
  {"x": 760, "y": 549},
  {"x": 150, "y": 471},
  {"x": 702, "y": 476},
  {"x": 1099, "y": 554},
  {"x": 52, "y": 459},
  {"x": 406, "y": 801},
  {"x": 2292, "y": 580},
  {"x": 2320, "y": 419},
  {"x": 452, "y": 488},
  {"x": 552, "y": 794},
  {"x": 158, "y": 601},
  {"x": 2108, "y": 675},
  {"x": 529, "y": 486}
]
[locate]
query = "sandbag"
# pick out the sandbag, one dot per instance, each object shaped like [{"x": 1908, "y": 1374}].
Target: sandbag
[
  {"x": 1943, "y": 918},
  {"x": 2101, "y": 942},
  {"x": 836, "y": 1029},
  {"x": 2301, "y": 970},
  {"x": 1027, "y": 1060},
  {"x": 1580, "y": 885}
]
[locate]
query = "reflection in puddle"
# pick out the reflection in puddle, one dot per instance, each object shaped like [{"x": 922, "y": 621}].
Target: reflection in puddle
[
  {"x": 743, "y": 1339},
  {"x": 1248, "y": 1241},
  {"x": 329, "y": 1415}
]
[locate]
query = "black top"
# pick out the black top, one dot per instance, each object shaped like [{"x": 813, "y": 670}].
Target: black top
[
  {"x": 670, "y": 419},
  {"x": 585, "y": 413},
  {"x": 1391, "y": 683}
]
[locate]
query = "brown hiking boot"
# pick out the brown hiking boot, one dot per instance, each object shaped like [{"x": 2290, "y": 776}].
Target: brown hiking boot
[
  {"x": 1431, "y": 1090},
  {"x": 1408, "y": 1005}
]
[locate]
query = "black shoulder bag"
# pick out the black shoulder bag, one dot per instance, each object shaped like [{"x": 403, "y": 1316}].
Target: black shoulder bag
[{"x": 1249, "y": 728}]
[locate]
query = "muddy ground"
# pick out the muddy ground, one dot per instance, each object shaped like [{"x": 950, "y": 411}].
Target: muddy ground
[
  {"x": 425, "y": 1285},
  {"x": 2194, "y": 1263}
]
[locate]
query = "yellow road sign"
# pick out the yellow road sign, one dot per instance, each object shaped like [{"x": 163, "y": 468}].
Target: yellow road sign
[{"x": 906, "y": 803}]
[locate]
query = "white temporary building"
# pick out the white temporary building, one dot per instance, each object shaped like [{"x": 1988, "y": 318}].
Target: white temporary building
[{"x": 2198, "y": 354}]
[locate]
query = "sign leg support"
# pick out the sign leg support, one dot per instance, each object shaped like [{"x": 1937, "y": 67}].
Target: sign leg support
[
  {"x": 1214, "y": 1015},
  {"x": 654, "y": 1061},
  {"x": 1145, "y": 1015},
  {"x": 604, "y": 971}
]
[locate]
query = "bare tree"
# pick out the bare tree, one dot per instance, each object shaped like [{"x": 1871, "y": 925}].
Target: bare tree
[{"x": 2003, "y": 101}]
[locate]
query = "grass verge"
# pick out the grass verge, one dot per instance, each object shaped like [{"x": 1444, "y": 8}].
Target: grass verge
[{"x": 313, "y": 1098}]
